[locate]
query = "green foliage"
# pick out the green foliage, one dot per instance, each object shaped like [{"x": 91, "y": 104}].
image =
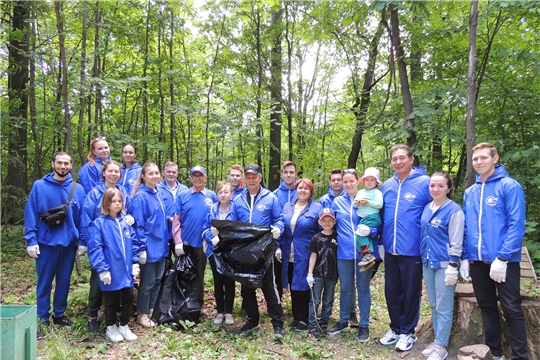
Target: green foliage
[{"x": 13, "y": 245}]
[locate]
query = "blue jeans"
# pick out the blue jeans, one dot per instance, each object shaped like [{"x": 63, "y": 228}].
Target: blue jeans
[
  {"x": 347, "y": 270},
  {"x": 326, "y": 288},
  {"x": 441, "y": 299},
  {"x": 151, "y": 274}
]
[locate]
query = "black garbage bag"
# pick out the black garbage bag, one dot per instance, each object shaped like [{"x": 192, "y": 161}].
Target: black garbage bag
[
  {"x": 178, "y": 297},
  {"x": 244, "y": 252}
]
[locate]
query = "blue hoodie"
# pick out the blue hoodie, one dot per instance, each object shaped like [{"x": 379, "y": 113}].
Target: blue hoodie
[
  {"x": 168, "y": 200},
  {"x": 404, "y": 203},
  {"x": 266, "y": 210},
  {"x": 130, "y": 176},
  {"x": 89, "y": 175},
  {"x": 213, "y": 214},
  {"x": 497, "y": 207},
  {"x": 284, "y": 194},
  {"x": 111, "y": 248},
  {"x": 47, "y": 193},
  {"x": 148, "y": 209},
  {"x": 328, "y": 199},
  {"x": 92, "y": 206}
]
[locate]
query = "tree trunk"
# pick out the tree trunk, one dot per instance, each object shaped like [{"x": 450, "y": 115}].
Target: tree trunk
[
  {"x": 258, "y": 130},
  {"x": 172, "y": 129},
  {"x": 36, "y": 134},
  {"x": 82, "y": 90},
  {"x": 145, "y": 82},
  {"x": 290, "y": 110}
]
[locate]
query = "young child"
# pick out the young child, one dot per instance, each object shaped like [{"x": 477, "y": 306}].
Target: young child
[
  {"x": 368, "y": 202},
  {"x": 111, "y": 253},
  {"x": 322, "y": 273}
]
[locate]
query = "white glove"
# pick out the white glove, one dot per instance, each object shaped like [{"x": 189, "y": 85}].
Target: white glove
[
  {"x": 214, "y": 231},
  {"x": 81, "y": 250},
  {"x": 310, "y": 280},
  {"x": 498, "y": 270},
  {"x": 179, "y": 249},
  {"x": 275, "y": 232},
  {"x": 136, "y": 270},
  {"x": 215, "y": 240},
  {"x": 33, "y": 251},
  {"x": 278, "y": 254},
  {"x": 450, "y": 276},
  {"x": 129, "y": 220},
  {"x": 142, "y": 257},
  {"x": 105, "y": 277},
  {"x": 464, "y": 270},
  {"x": 362, "y": 230}
]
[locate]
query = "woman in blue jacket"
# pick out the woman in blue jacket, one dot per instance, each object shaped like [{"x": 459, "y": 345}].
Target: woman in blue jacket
[
  {"x": 441, "y": 245},
  {"x": 90, "y": 173},
  {"x": 148, "y": 209},
  {"x": 130, "y": 168},
  {"x": 224, "y": 287},
  {"x": 301, "y": 220},
  {"x": 112, "y": 254}
]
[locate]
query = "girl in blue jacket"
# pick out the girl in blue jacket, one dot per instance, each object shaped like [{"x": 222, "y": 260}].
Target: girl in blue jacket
[
  {"x": 112, "y": 254},
  {"x": 148, "y": 209},
  {"x": 90, "y": 173}
]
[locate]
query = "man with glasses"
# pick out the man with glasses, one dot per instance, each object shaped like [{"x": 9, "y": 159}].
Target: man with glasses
[
  {"x": 405, "y": 196},
  {"x": 191, "y": 208},
  {"x": 235, "y": 178}
]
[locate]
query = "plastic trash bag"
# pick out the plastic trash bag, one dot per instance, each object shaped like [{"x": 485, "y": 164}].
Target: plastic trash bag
[
  {"x": 179, "y": 294},
  {"x": 244, "y": 252}
]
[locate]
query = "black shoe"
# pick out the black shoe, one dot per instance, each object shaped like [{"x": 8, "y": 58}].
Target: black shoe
[
  {"x": 41, "y": 332},
  {"x": 248, "y": 326},
  {"x": 324, "y": 330},
  {"x": 93, "y": 325},
  {"x": 314, "y": 334},
  {"x": 363, "y": 334},
  {"x": 353, "y": 320},
  {"x": 62, "y": 321},
  {"x": 301, "y": 326},
  {"x": 278, "y": 333},
  {"x": 293, "y": 324},
  {"x": 339, "y": 327}
]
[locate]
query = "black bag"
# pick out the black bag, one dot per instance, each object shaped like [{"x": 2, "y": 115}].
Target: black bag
[
  {"x": 245, "y": 251},
  {"x": 58, "y": 214}
]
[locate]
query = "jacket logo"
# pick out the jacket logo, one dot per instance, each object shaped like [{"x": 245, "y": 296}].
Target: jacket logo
[
  {"x": 208, "y": 201},
  {"x": 492, "y": 201},
  {"x": 127, "y": 234},
  {"x": 261, "y": 207},
  {"x": 131, "y": 181},
  {"x": 435, "y": 222},
  {"x": 409, "y": 197}
]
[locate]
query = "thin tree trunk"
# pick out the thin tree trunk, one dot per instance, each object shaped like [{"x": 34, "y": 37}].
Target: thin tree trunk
[
  {"x": 96, "y": 73},
  {"x": 160, "y": 89},
  {"x": 37, "y": 168},
  {"x": 171, "y": 89},
  {"x": 145, "y": 83},
  {"x": 258, "y": 131},
  {"x": 82, "y": 91}
]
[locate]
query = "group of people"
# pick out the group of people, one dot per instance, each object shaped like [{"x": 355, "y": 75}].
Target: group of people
[{"x": 130, "y": 220}]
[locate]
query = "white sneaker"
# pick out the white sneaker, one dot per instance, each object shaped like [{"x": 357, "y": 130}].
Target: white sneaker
[
  {"x": 229, "y": 320},
  {"x": 438, "y": 353},
  {"x": 405, "y": 342},
  {"x": 389, "y": 338},
  {"x": 113, "y": 334},
  {"x": 126, "y": 333},
  {"x": 219, "y": 319},
  {"x": 427, "y": 351}
]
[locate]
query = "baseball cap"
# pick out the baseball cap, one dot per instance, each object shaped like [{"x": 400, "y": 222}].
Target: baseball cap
[
  {"x": 327, "y": 212},
  {"x": 252, "y": 169},
  {"x": 198, "y": 168}
]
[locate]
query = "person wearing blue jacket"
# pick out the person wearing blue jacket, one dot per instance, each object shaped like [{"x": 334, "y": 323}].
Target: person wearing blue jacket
[
  {"x": 224, "y": 287},
  {"x": 53, "y": 248},
  {"x": 90, "y": 173},
  {"x": 334, "y": 190},
  {"x": 234, "y": 176},
  {"x": 441, "y": 247},
  {"x": 258, "y": 205},
  {"x": 348, "y": 257},
  {"x": 494, "y": 228},
  {"x": 301, "y": 223},
  {"x": 110, "y": 177},
  {"x": 112, "y": 253},
  {"x": 130, "y": 168},
  {"x": 148, "y": 209},
  {"x": 405, "y": 196}
]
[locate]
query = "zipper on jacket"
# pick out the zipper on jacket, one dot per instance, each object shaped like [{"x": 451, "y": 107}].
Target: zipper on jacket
[
  {"x": 353, "y": 233},
  {"x": 480, "y": 222},
  {"x": 395, "y": 216},
  {"x": 121, "y": 237}
]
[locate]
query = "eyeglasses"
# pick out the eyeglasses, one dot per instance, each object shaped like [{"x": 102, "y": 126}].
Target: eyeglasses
[
  {"x": 201, "y": 176},
  {"x": 99, "y": 138},
  {"x": 349, "y": 171}
]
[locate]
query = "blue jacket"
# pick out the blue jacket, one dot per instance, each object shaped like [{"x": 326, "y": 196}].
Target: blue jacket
[
  {"x": 193, "y": 207},
  {"x": 111, "y": 248},
  {"x": 47, "y": 193},
  {"x": 347, "y": 223},
  {"x": 148, "y": 209},
  {"x": 130, "y": 176},
  {"x": 307, "y": 225},
  {"x": 404, "y": 203},
  {"x": 213, "y": 214},
  {"x": 328, "y": 199},
  {"x": 90, "y": 175},
  {"x": 442, "y": 235},
  {"x": 168, "y": 200},
  {"x": 285, "y": 195},
  {"x": 92, "y": 206},
  {"x": 180, "y": 188},
  {"x": 501, "y": 203},
  {"x": 266, "y": 210}
]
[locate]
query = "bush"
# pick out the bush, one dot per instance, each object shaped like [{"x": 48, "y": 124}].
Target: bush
[{"x": 13, "y": 245}]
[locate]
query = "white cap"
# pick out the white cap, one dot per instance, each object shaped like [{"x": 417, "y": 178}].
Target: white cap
[{"x": 371, "y": 172}]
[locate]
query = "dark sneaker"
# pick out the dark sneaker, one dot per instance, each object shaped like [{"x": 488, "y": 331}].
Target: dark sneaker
[
  {"x": 366, "y": 259},
  {"x": 339, "y": 327},
  {"x": 93, "y": 325},
  {"x": 324, "y": 330},
  {"x": 301, "y": 326},
  {"x": 41, "y": 329},
  {"x": 278, "y": 333},
  {"x": 314, "y": 334},
  {"x": 363, "y": 334},
  {"x": 353, "y": 320},
  {"x": 248, "y": 326},
  {"x": 62, "y": 321},
  {"x": 293, "y": 324}
]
